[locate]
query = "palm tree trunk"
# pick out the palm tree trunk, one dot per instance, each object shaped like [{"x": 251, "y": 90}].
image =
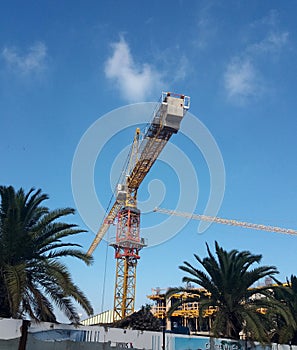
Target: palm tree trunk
[{"x": 24, "y": 335}]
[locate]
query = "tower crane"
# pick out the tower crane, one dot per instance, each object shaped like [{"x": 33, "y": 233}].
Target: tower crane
[
  {"x": 227, "y": 221},
  {"x": 166, "y": 122}
]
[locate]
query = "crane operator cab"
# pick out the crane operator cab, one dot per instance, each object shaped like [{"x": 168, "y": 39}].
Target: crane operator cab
[{"x": 172, "y": 111}]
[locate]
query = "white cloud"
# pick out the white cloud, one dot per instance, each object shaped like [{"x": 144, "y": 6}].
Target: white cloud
[
  {"x": 32, "y": 61},
  {"x": 244, "y": 77},
  {"x": 273, "y": 43},
  {"x": 181, "y": 70},
  {"x": 135, "y": 82},
  {"x": 271, "y": 20},
  {"x": 241, "y": 80},
  {"x": 206, "y": 31}
]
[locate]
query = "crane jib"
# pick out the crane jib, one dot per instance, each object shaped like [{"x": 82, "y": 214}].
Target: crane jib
[{"x": 230, "y": 222}]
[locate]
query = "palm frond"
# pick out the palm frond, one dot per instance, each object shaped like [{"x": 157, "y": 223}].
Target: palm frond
[{"x": 32, "y": 241}]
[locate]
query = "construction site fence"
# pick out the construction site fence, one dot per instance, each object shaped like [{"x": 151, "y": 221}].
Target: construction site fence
[{"x": 52, "y": 336}]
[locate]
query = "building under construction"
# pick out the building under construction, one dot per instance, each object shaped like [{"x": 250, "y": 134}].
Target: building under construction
[
  {"x": 186, "y": 314},
  {"x": 185, "y": 317}
]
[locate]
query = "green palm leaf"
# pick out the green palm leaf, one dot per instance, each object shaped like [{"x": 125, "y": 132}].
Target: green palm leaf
[
  {"x": 33, "y": 279},
  {"x": 228, "y": 277}
]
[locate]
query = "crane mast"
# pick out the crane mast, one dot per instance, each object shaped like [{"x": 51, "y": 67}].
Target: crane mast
[{"x": 128, "y": 243}]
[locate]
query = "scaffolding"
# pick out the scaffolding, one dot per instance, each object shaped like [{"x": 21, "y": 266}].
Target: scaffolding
[{"x": 186, "y": 314}]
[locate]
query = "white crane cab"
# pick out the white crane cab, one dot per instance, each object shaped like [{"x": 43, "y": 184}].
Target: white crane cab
[{"x": 173, "y": 109}]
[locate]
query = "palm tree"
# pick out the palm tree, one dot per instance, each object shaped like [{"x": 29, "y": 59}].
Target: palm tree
[
  {"x": 228, "y": 281},
  {"x": 287, "y": 293},
  {"x": 33, "y": 279}
]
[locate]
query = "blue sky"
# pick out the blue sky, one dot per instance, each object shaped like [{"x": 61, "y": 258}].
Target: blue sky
[{"x": 67, "y": 65}]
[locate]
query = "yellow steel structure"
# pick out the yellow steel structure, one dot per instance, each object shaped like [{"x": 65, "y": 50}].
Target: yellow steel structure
[
  {"x": 127, "y": 246},
  {"x": 124, "y": 293},
  {"x": 228, "y": 221},
  {"x": 188, "y": 309},
  {"x": 166, "y": 122}
]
